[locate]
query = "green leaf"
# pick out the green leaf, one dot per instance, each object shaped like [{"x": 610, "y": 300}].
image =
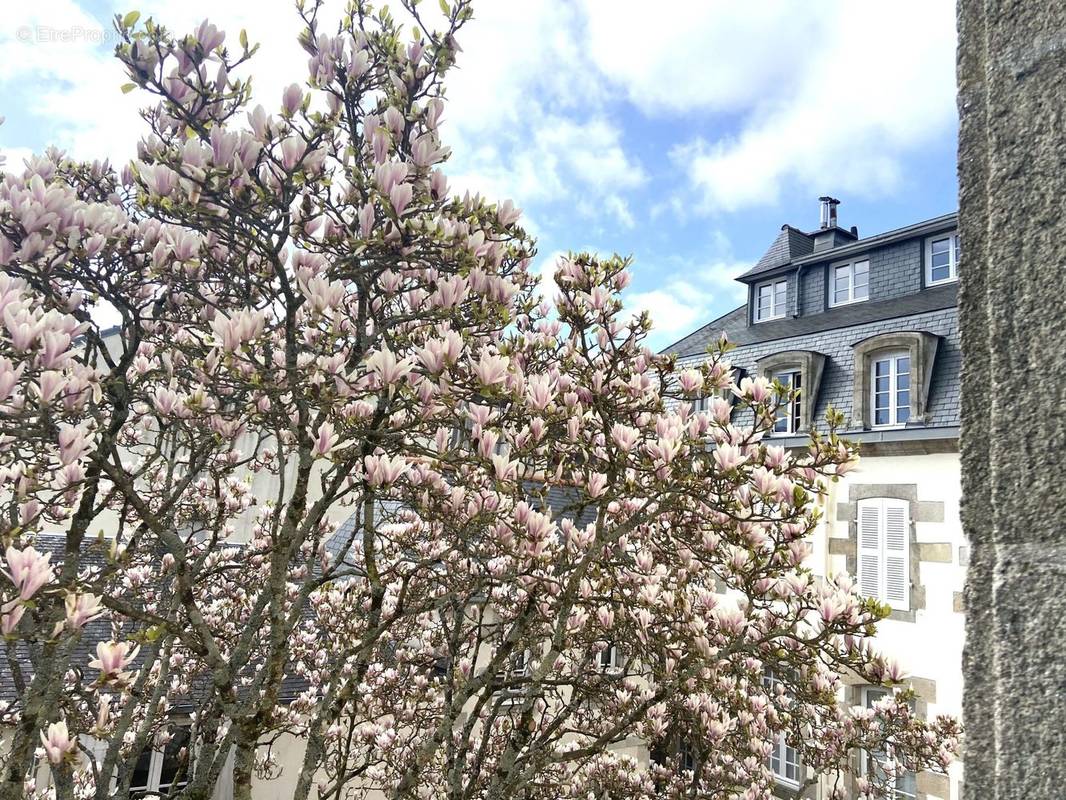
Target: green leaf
[
  {"x": 128, "y": 87},
  {"x": 130, "y": 19},
  {"x": 444, "y": 7}
]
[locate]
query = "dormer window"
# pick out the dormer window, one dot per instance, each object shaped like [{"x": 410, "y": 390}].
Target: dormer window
[
  {"x": 942, "y": 259},
  {"x": 798, "y": 372},
  {"x": 892, "y": 377},
  {"x": 850, "y": 283},
  {"x": 770, "y": 300},
  {"x": 789, "y": 415},
  {"x": 891, "y": 389}
]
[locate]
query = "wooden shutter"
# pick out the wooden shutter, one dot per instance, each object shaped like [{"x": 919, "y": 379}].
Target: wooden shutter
[
  {"x": 883, "y": 551},
  {"x": 869, "y": 551},
  {"x": 897, "y": 568}
]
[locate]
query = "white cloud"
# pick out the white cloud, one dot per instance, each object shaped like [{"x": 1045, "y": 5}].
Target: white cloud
[
  {"x": 715, "y": 55},
  {"x": 556, "y": 160},
  {"x": 690, "y": 295},
  {"x": 828, "y": 97}
]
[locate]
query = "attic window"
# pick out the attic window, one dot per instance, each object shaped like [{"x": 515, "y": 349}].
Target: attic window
[
  {"x": 770, "y": 300},
  {"x": 850, "y": 283},
  {"x": 942, "y": 259}
]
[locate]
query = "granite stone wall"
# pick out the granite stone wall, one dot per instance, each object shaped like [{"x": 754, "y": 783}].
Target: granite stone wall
[{"x": 1012, "y": 181}]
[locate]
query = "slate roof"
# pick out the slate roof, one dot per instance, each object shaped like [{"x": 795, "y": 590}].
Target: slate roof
[
  {"x": 790, "y": 244},
  {"x": 734, "y": 324},
  {"x": 837, "y": 343},
  {"x": 899, "y": 302}
]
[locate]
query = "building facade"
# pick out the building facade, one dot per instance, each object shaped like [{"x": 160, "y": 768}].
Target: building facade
[{"x": 869, "y": 327}]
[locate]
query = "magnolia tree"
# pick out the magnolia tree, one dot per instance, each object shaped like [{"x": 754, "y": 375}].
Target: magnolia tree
[{"x": 342, "y": 503}]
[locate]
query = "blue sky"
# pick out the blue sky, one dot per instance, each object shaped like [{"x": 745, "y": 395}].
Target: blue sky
[{"x": 681, "y": 132}]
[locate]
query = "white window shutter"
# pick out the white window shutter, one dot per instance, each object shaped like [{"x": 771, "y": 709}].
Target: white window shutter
[
  {"x": 869, "y": 550},
  {"x": 897, "y": 567}
]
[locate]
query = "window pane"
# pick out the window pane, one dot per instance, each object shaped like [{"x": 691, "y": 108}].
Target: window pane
[
  {"x": 862, "y": 280},
  {"x": 172, "y": 761},
  {"x": 903, "y": 409},
  {"x": 940, "y": 273},
  {"x": 907, "y": 784},
  {"x": 903, "y": 381},
  {"x": 881, "y": 416},
  {"x": 903, "y": 364},
  {"x": 881, "y": 384},
  {"x": 141, "y": 771},
  {"x": 940, "y": 246}
]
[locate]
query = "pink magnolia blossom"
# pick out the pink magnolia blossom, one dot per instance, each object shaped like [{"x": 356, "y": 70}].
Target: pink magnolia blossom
[
  {"x": 73, "y": 442},
  {"x": 507, "y": 214},
  {"x": 491, "y": 370},
  {"x": 28, "y": 570},
  {"x": 112, "y": 658},
  {"x": 366, "y": 220},
  {"x": 232, "y": 332},
  {"x": 325, "y": 439},
  {"x": 729, "y": 456},
  {"x": 82, "y": 609},
  {"x": 503, "y": 467},
  {"x": 757, "y": 390},
  {"x": 384, "y": 471},
  {"x": 624, "y": 436},
  {"x": 690, "y": 380},
  {"x": 291, "y": 98},
  {"x": 292, "y": 150},
  {"x": 57, "y": 742},
  {"x": 596, "y": 485},
  {"x": 9, "y": 377},
  {"x": 387, "y": 367},
  {"x": 10, "y": 615}
]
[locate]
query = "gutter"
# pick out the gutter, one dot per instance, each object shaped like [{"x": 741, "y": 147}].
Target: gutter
[{"x": 889, "y": 436}]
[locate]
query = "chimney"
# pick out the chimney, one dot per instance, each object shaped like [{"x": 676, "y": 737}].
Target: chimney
[{"x": 828, "y": 212}]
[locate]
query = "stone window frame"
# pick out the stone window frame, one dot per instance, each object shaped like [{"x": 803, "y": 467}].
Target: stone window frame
[
  {"x": 921, "y": 347},
  {"x": 811, "y": 365},
  {"x": 929, "y": 783},
  {"x": 918, "y": 511},
  {"x": 699, "y": 401}
]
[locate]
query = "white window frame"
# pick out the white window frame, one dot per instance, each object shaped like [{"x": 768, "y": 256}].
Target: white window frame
[
  {"x": 775, "y": 310},
  {"x": 518, "y": 666},
  {"x": 866, "y": 756},
  {"x": 893, "y": 388},
  {"x": 781, "y": 748},
  {"x": 954, "y": 253},
  {"x": 792, "y": 409},
  {"x": 850, "y": 267},
  {"x": 155, "y": 773},
  {"x": 609, "y": 660},
  {"x": 883, "y": 550}
]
